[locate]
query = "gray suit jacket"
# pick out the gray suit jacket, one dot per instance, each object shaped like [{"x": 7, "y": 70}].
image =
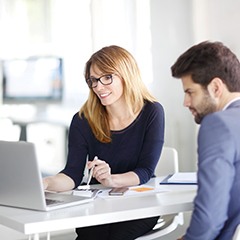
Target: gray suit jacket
[{"x": 217, "y": 204}]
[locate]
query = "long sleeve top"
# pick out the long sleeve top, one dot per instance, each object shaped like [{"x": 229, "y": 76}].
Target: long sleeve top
[{"x": 136, "y": 148}]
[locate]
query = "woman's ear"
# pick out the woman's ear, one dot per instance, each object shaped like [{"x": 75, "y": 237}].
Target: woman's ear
[{"x": 215, "y": 87}]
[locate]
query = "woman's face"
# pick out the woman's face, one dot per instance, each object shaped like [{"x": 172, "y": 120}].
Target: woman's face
[{"x": 111, "y": 94}]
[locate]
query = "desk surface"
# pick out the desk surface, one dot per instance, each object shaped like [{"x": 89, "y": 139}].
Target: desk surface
[{"x": 176, "y": 198}]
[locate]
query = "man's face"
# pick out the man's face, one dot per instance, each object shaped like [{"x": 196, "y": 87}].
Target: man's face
[{"x": 197, "y": 99}]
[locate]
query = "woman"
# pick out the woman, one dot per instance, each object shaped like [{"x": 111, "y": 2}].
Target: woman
[{"x": 123, "y": 125}]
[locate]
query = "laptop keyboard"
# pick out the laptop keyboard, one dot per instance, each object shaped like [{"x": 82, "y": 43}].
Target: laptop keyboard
[{"x": 51, "y": 201}]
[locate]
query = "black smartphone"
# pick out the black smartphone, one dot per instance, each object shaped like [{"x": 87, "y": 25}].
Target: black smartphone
[{"x": 118, "y": 191}]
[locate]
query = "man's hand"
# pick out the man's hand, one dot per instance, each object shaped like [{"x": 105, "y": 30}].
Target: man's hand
[{"x": 182, "y": 238}]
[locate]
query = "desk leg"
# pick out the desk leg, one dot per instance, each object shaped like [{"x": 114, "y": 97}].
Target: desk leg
[
  {"x": 36, "y": 236},
  {"x": 48, "y": 236}
]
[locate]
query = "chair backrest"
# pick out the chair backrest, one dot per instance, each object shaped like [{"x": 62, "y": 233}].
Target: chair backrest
[{"x": 168, "y": 162}]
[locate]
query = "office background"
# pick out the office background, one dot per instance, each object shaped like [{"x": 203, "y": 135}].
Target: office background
[{"x": 154, "y": 31}]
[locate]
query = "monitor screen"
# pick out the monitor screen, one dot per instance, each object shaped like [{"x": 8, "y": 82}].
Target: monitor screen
[{"x": 32, "y": 80}]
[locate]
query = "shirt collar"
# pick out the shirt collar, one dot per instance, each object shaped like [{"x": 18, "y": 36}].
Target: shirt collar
[{"x": 228, "y": 104}]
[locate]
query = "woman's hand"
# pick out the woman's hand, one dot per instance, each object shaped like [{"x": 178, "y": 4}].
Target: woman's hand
[
  {"x": 45, "y": 183},
  {"x": 58, "y": 183},
  {"x": 101, "y": 172}
]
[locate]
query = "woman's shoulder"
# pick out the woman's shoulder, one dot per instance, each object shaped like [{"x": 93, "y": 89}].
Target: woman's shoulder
[
  {"x": 152, "y": 110},
  {"x": 153, "y": 106},
  {"x": 78, "y": 118}
]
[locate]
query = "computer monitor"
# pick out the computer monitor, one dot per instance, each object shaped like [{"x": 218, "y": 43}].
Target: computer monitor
[{"x": 33, "y": 80}]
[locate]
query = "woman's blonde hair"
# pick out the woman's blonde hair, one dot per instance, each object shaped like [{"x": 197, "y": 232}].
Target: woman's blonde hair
[{"x": 109, "y": 60}]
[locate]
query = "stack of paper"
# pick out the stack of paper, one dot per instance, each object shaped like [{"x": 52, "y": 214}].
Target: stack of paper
[{"x": 181, "y": 178}]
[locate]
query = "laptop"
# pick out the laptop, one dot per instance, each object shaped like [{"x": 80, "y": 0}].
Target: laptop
[{"x": 21, "y": 181}]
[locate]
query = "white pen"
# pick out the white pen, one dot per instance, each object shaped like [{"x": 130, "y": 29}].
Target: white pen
[{"x": 91, "y": 173}]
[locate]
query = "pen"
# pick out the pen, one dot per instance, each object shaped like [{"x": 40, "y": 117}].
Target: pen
[{"x": 91, "y": 173}]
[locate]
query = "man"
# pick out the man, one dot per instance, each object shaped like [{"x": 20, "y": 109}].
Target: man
[{"x": 210, "y": 75}]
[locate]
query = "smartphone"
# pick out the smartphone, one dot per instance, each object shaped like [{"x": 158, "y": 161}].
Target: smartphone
[{"x": 118, "y": 191}]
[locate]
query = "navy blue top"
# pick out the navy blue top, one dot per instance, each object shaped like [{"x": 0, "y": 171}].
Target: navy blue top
[{"x": 136, "y": 148}]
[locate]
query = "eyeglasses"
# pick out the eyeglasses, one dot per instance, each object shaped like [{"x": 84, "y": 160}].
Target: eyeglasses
[{"x": 104, "y": 80}]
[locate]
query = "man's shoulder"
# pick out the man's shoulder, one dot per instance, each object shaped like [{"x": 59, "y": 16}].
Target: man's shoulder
[{"x": 221, "y": 123}]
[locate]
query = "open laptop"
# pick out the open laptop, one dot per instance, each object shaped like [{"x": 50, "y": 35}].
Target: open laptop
[{"x": 21, "y": 181}]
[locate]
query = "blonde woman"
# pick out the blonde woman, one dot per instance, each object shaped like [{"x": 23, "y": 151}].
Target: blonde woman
[{"x": 123, "y": 125}]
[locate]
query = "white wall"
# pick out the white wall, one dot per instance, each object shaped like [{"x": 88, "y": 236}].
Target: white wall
[
  {"x": 218, "y": 20},
  {"x": 176, "y": 26},
  {"x": 172, "y": 33}
]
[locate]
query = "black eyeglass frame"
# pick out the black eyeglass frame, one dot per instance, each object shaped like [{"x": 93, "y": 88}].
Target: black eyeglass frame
[{"x": 90, "y": 82}]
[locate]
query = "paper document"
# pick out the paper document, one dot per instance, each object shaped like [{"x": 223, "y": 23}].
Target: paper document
[
  {"x": 184, "y": 177},
  {"x": 181, "y": 178}
]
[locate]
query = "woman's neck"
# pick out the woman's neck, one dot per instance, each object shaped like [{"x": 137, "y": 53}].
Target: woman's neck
[{"x": 120, "y": 118}]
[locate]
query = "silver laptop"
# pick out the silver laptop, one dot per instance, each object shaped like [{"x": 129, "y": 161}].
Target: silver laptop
[{"x": 21, "y": 181}]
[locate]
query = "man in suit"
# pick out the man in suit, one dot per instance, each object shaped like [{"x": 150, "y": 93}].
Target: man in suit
[{"x": 210, "y": 75}]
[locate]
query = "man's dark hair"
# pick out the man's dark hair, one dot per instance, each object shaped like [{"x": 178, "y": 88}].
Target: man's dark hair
[{"x": 206, "y": 61}]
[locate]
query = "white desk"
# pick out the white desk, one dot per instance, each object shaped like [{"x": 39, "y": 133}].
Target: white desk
[{"x": 177, "y": 198}]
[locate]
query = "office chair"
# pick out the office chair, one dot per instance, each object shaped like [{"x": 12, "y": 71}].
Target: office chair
[
  {"x": 236, "y": 235},
  {"x": 167, "y": 164}
]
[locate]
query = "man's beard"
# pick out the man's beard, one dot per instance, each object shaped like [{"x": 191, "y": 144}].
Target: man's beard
[{"x": 207, "y": 106}]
